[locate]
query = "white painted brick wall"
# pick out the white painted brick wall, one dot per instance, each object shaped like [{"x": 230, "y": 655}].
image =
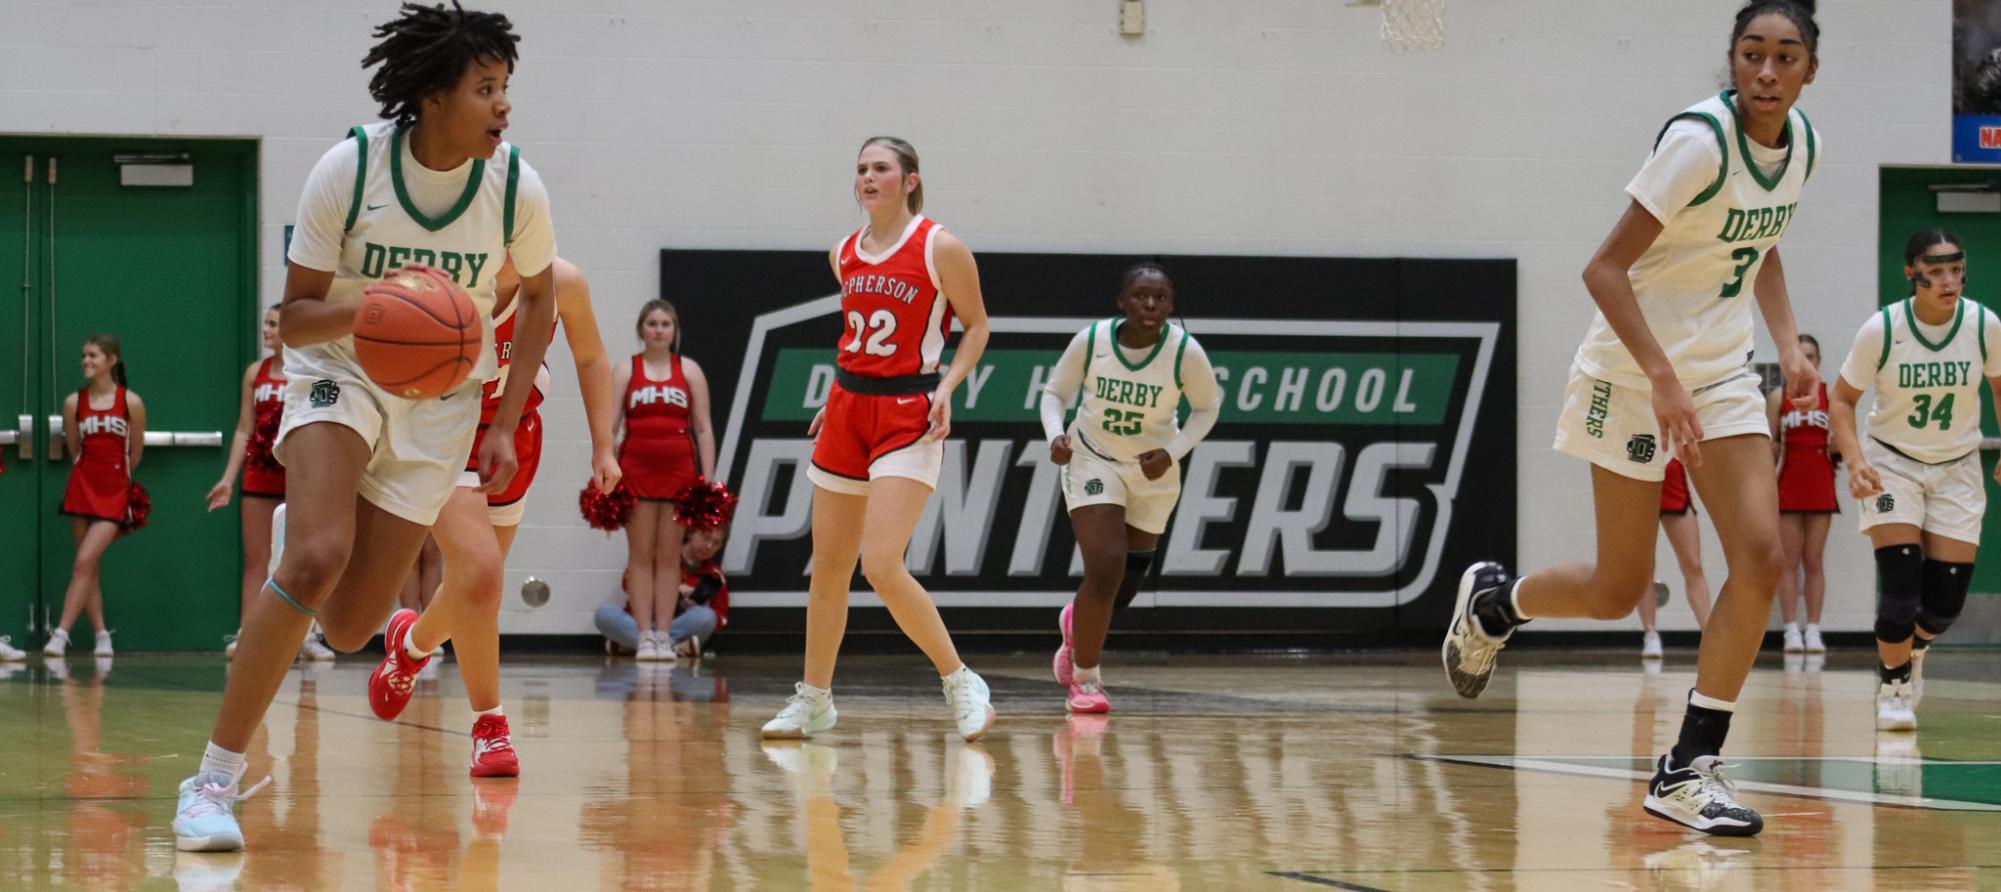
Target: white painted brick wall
[{"x": 1278, "y": 127}]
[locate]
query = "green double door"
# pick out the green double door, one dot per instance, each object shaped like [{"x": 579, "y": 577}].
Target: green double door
[{"x": 106, "y": 235}]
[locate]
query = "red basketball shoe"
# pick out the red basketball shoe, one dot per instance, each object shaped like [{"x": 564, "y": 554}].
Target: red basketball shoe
[
  {"x": 390, "y": 685},
  {"x": 492, "y": 753}
]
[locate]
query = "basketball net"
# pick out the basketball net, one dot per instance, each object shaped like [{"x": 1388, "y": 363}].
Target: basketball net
[{"x": 1413, "y": 25}]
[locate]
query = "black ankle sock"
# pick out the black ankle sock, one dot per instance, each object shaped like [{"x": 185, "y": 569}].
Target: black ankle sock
[
  {"x": 1919, "y": 642},
  {"x": 1495, "y": 609},
  {"x": 1895, "y": 674},
  {"x": 1702, "y": 733}
]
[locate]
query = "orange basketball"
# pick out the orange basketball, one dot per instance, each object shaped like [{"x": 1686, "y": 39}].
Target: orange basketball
[{"x": 417, "y": 333}]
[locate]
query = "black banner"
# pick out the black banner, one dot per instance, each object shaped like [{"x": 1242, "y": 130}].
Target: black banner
[{"x": 1365, "y": 454}]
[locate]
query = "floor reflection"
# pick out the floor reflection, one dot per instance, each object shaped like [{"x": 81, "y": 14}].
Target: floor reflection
[{"x": 1235, "y": 773}]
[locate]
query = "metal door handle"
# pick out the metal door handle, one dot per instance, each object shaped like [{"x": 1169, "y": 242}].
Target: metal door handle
[
  {"x": 24, "y": 436},
  {"x": 55, "y": 437},
  {"x": 183, "y": 438}
]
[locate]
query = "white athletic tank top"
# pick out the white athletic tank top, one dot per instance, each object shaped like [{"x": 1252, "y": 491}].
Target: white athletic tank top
[
  {"x": 384, "y": 230},
  {"x": 1125, "y": 408},
  {"x": 1928, "y": 393},
  {"x": 1694, "y": 283}
]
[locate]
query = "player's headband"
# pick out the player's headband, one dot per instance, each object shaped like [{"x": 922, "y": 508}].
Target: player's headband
[{"x": 1941, "y": 259}]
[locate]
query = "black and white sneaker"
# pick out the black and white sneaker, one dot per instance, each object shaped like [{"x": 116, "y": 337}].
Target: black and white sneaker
[
  {"x": 1469, "y": 651},
  {"x": 1699, "y": 797}
]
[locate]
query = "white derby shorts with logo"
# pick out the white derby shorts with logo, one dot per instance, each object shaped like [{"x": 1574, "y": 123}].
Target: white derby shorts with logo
[
  {"x": 1091, "y": 480},
  {"x": 1614, "y": 427},
  {"x": 1946, "y": 499},
  {"x": 417, "y": 448}
]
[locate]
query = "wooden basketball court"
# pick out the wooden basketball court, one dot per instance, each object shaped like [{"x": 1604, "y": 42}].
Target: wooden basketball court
[{"x": 1359, "y": 772}]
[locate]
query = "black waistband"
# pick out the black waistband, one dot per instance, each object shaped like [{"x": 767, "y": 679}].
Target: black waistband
[{"x": 902, "y": 385}]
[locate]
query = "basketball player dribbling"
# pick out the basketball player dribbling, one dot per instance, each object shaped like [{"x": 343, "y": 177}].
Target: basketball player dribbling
[
  {"x": 879, "y": 439},
  {"x": 433, "y": 184},
  {"x": 1663, "y": 370}
]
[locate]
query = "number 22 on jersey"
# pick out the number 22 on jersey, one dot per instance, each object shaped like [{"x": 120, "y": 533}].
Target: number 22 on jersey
[{"x": 880, "y": 329}]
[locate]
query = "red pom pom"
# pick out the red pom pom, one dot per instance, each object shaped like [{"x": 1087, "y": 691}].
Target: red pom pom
[
  {"x": 138, "y": 508},
  {"x": 606, "y": 511},
  {"x": 258, "y": 450},
  {"x": 704, "y": 505}
]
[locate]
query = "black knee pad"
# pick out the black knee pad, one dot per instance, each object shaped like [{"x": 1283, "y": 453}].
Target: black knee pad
[
  {"x": 1137, "y": 565},
  {"x": 1944, "y": 595},
  {"x": 1899, "y": 590}
]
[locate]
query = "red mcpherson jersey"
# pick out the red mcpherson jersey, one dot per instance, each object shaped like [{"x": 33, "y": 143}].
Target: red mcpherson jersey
[{"x": 894, "y": 311}]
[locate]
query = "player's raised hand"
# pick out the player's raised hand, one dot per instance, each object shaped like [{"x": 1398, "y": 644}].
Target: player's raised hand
[{"x": 1681, "y": 430}]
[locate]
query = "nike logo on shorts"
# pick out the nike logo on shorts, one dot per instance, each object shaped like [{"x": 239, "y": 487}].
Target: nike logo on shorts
[{"x": 905, "y": 401}]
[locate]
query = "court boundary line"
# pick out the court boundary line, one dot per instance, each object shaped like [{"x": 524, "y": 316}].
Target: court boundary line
[{"x": 1550, "y": 766}]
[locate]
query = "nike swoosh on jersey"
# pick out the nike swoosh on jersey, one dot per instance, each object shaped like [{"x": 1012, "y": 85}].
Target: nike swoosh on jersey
[{"x": 377, "y": 207}]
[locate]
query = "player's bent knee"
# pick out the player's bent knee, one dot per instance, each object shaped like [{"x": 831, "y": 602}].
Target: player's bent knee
[
  {"x": 1611, "y": 605},
  {"x": 345, "y": 640},
  {"x": 882, "y": 566},
  {"x": 310, "y": 568},
  {"x": 1944, "y": 595},
  {"x": 1890, "y": 631}
]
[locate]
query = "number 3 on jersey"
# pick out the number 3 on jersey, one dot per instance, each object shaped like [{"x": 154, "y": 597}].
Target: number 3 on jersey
[
  {"x": 880, "y": 327},
  {"x": 1745, "y": 257}
]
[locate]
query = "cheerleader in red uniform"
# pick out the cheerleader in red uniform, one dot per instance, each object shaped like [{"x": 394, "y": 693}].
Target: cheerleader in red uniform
[
  {"x": 1806, "y": 457},
  {"x": 261, "y": 406},
  {"x": 666, "y": 444},
  {"x": 105, "y": 427},
  {"x": 1678, "y": 522}
]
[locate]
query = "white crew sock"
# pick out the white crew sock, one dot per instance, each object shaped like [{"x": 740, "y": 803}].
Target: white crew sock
[{"x": 216, "y": 760}]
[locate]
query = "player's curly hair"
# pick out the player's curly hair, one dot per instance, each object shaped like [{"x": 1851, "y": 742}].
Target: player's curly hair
[
  {"x": 1799, "y": 11},
  {"x": 427, "y": 49}
]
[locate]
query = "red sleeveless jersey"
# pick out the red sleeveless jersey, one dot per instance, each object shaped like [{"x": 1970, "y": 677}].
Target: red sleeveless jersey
[
  {"x": 894, "y": 313},
  {"x": 656, "y": 407},
  {"x": 1800, "y": 429},
  {"x": 100, "y": 477},
  {"x": 267, "y": 398},
  {"x": 503, "y": 350},
  {"x": 262, "y": 474},
  {"x": 658, "y": 452},
  {"x": 1806, "y": 471},
  {"x": 103, "y": 442}
]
